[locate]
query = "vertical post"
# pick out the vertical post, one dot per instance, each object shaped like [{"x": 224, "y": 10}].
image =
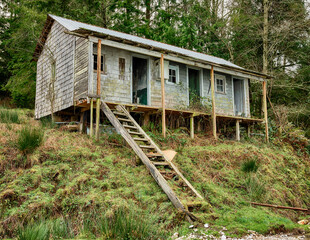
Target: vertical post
[
  {"x": 192, "y": 126},
  {"x": 146, "y": 118},
  {"x": 91, "y": 131},
  {"x": 98, "y": 88},
  {"x": 213, "y": 116},
  {"x": 162, "y": 77},
  {"x": 238, "y": 130},
  {"x": 265, "y": 110},
  {"x": 249, "y": 130}
]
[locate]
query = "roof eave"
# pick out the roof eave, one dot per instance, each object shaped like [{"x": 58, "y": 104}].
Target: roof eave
[{"x": 85, "y": 32}]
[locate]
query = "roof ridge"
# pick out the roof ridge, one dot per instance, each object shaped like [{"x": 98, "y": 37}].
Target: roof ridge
[{"x": 144, "y": 38}]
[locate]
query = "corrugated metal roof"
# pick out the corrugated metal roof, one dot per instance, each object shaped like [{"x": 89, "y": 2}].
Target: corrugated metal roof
[{"x": 72, "y": 25}]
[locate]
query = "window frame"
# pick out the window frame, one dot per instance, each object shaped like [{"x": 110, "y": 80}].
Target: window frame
[
  {"x": 223, "y": 78},
  {"x": 177, "y": 79},
  {"x": 95, "y": 56}
]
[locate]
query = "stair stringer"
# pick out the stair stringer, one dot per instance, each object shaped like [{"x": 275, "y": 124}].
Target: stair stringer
[
  {"x": 159, "y": 150},
  {"x": 161, "y": 181}
]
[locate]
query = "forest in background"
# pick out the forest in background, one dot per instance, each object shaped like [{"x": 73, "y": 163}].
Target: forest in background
[{"x": 230, "y": 29}]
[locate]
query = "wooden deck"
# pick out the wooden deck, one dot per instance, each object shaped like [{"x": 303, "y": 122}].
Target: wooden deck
[{"x": 153, "y": 110}]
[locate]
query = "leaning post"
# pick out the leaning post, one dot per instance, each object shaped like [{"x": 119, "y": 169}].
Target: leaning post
[
  {"x": 98, "y": 88},
  {"x": 162, "y": 77},
  {"x": 265, "y": 110},
  {"x": 213, "y": 116}
]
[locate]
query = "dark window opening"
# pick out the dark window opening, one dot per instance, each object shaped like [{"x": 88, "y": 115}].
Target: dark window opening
[
  {"x": 95, "y": 62},
  {"x": 121, "y": 66},
  {"x": 172, "y": 76}
]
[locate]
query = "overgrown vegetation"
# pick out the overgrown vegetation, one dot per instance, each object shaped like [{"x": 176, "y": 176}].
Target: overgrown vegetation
[
  {"x": 29, "y": 139},
  {"x": 73, "y": 187},
  {"x": 8, "y": 116}
]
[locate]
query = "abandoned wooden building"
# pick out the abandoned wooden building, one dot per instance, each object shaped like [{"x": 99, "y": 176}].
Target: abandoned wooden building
[
  {"x": 78, "y": 63},
  {"x": 128, "y": 76}
]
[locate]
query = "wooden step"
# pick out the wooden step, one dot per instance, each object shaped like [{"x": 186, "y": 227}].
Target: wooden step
[
  {"x": 154, "y": 155},
  {"x": 140, "y": 139},
  {"x": 147, "y": 146},
  {"x": 135, "y": 133},
  {"x": 124, "y": 120},
  {"x": 130, "y": 127},
  {"x": 161, "y": 163},
  {"x": 119, "y": 113}
]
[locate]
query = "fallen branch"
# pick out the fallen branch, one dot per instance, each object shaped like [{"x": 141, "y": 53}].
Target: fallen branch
[{"x": 281, "y": 207}]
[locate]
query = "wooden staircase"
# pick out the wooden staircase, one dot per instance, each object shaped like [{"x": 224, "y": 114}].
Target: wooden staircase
[{"x": 165, "y": 173}]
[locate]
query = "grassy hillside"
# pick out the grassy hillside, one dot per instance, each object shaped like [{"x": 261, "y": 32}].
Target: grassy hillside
[{"x": 69, "y": 186}]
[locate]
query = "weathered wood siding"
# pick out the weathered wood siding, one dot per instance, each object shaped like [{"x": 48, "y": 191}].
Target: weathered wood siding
[
  {"x": 59, "y": 46},
  {"x": 176, "y": 95},
  {"x": 113, "y": 88},
  {"x": 81, "y": 68}
]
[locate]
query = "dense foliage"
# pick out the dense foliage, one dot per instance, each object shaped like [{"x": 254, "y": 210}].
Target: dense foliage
[{"x": 231, "y": 29}]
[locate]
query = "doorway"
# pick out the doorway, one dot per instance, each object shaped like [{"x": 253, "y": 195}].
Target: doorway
[
  {"x": 194, "y": 85},
  {"x": 239, "y": 97},
  {"x": 139, "y": 81}
]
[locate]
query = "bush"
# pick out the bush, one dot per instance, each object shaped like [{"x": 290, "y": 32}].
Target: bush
[
  {"x": 123, "y": 224},
  {"x": 29, "y": 139},
  {"x": 9, "y": 116},
  {"x": 52, "y": 229},
  {"x": 249, "y": 165}
]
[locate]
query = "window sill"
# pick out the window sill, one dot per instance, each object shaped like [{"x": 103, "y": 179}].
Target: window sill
[{"x": 223, "y": 93}]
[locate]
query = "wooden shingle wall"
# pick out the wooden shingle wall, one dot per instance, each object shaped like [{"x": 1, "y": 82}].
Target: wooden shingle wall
[
  {"x": 60, "y": 47},
  {"x": 113, "y": 88},
  {"x": 81, "y": 68},
  {"x": 176, "y": 94}
]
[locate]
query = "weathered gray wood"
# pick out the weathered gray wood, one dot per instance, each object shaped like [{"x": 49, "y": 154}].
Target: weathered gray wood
[{"x": 153, "y": 170}]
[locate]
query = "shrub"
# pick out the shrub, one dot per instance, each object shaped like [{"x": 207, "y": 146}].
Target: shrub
[
  {"x": 123, "y": 224},
  {"x": 34, "y": 232},
  {"x": 29, "y": 139},
  {"x": 52, "y": 229},
  {"x": 249, "y": 166},
  {"x": 9, "y": 116}
]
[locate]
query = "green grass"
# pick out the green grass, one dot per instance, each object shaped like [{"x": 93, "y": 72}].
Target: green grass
[
  {"x": 98, "y": 190},
  {"x": 44, "y": 230},
  {"x": 250, "y": 165},
  {"x": 9, "y": 116},
  {"x": 29, "y": 139}
]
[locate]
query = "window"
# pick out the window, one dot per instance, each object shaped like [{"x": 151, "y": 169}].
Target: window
[
  {"x": 173, "y": 74},
  {"x": 220, "y": 83},
  {"x": 121, "y": 66},
  {"x": 102, "y": 62}
]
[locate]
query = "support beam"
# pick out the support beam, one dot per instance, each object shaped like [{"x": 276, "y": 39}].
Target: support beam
[
  {"x": 238, "y": 130},
  {"x": 265, "y": 110},
  {"x": 91, "y": 131},
  {"x": 98, "y": 88},
  {"x": 162, "y": 77},
  {"x": 248, "y": 130},
  {"x": 192, "y": 134},
  {"x": 146, "y": 118},
  {"x": 213, "y": 115}
]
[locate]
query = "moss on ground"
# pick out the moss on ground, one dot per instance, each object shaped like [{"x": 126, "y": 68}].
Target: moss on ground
[{"x": 73, "y": 179}]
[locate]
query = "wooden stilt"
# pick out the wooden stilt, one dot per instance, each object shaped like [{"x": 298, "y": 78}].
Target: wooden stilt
[
  {"x": 91, "y": 117},
  {"x": 192, "y": 126},
  {"x": 82, "y": 124},
  {"x": 162, "y": 76},
  {"x": 146, "y": 119},
  {"x": 265, "y": 110},
  {"x": 98, "y": 88},
  {"x": 238, "y": 130},
  {"x": 199, "y": 125},
  {"x": 213, "y": 104},
  {"x": 248, "y": 130},
  {"x": 97, "y": 118}
]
